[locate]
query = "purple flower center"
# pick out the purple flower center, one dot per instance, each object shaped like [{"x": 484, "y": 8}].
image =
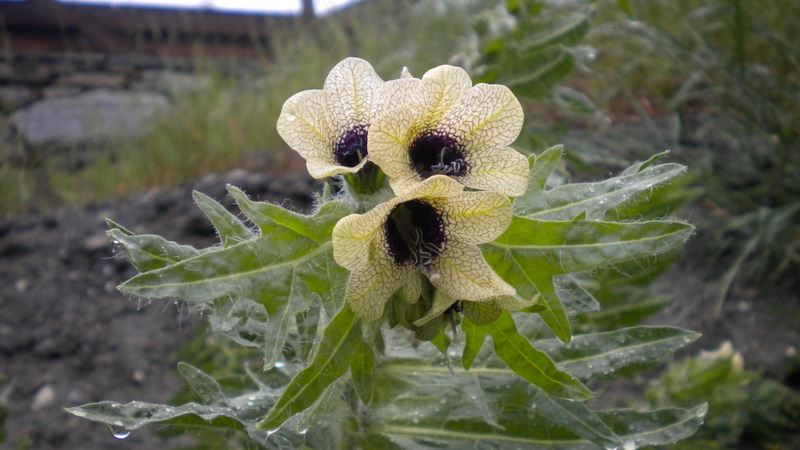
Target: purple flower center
[
  {"x": 433, "y": 153},
  {"x": 414, "y": 233},
  {"x": 351, "y": 147}
]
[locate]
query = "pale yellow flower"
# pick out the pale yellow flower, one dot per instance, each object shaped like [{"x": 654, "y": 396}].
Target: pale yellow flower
[
  {"x": 447, "y": 126},
  {"x": 434, "y": 228},
  {"x": 328, "y": 127}
]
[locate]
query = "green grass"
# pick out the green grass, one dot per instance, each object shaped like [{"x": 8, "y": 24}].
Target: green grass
[{"x": 214, "y": 129}]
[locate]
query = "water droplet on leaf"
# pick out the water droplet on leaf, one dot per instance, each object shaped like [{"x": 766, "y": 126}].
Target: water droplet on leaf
[{"x": 119, "y": 432}]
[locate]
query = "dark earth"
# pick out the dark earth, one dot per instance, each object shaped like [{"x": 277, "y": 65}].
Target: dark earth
[{"x": 68, "y": 337}]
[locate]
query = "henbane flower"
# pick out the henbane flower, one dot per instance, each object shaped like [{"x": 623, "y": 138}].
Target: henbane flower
[
  {"x": 328, "y": 127},
  {"x": 432, "y": 228},
  {"x": 452, "y": 128}
]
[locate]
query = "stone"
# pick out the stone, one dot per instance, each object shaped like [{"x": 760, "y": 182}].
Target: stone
[
  {"x": 98, "y": 115},
  {"x": 60, "y": 91},
  {"x": 93, "y": 80},
  {"x": 27, "y": 72},
  {"x": 13, "y": 96},
  {"x": 44, "y": 397}
]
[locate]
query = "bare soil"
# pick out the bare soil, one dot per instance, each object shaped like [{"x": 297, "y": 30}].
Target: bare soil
[{"x": 68, "y": 337}]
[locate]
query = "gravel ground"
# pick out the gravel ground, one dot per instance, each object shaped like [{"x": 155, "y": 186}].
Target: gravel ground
[{"x": 68, "y": 337}]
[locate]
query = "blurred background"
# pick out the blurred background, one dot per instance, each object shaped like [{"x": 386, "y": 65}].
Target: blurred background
[{"x": 106, "y": 107}]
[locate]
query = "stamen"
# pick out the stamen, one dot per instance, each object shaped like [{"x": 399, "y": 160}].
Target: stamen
[
  {"x": 414, "y": 234},
  {"x": 437, "y": 153}
]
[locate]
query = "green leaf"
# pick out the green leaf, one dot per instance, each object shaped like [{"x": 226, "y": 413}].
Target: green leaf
[
  {"x": 591, "y": 355},
  {"x": 627, "y": 7},
  {"x": 531, "y": 252},
  {"x": 222, "y": 414},
  {"x": 629, "y": 308},
  {"x": 340, "y": 342},
  {"x": 553, "y": 313},
  {"x": 475, "y": 337},
  {"x": 280, "y": 263},
  {"x": 641, "y": 166},
  {"x": 531, "y": 364},
  {"x": 567, "y": 201},
  {"x": 576, "y": 417},
  {"x": 229, "y": 228},
  {"x": 114, "y": 225},
  {"x": 149, "y": 252},
  {"x": 280, "y": 316},
  {"x": 521, "y": 430},
  {"x": 361, "y": 371},
  {"x": 660, "y": 427},
  {"x": 264, "y": 263},
  {"x": 317, "y": 227},
  {"x": 421, "y": 403},
  {"x": 534, "y": 73},
  {"x": 541, "y": 168},
  {"x": 203, "y": 384},
  {"x": 549, "y": 31},
  {"x": 574, "y": 296}
]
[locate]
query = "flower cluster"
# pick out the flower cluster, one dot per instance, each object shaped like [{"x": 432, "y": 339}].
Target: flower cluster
[{"x": 443, "y": 143}]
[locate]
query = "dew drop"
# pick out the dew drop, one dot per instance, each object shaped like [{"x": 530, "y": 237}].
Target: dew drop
[
  {"x": 280, "y": 364},
  {"x": 629, "y": 445},
  {"x": 119, "y": 432}
]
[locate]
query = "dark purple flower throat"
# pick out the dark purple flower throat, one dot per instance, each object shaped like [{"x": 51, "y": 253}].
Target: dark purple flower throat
[
  {"x": 434, "y": 153},
  {"x": 351, "y": 147},
  {"x": 414, "y": 233}
]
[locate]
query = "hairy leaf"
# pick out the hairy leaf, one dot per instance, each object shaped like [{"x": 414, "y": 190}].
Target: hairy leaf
[
  {"x": 230, "y": 229},
  {"x": 531, "y": 252},
  {"x": 203, "y": 384},
  {"x": 340, "y": 342},
  {"x": 519, "y": 430},
  {"x": 149, "y": 252},
  {"x": 595, "y": 354},
  {"x": 567, "y": 201},
  {"x": 531, "y": 364}
]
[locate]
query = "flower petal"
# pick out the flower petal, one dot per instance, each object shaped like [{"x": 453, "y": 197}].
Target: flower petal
[
  {"x": 319, "y": 169},
  {"x": 388, "y": 141},
  {"x": 488, "y": 116},
  {"x": 372, "y": 284},
  {"x": 476, "y": 217},
  {"x": 303, "y": 125},
  {"x": 440, "y": 89},
  {"x": 461, "y": 272},
  {"x": 399, "y": 93},
  {"x": 351, "y": 93},
  {"x": 412, "y": 289},
  {"x": 513, "y": 303},
  {"x": 353, "y": 235},
  {"x": 498, "y": 169},
  {"x": 433, "y": 187}
]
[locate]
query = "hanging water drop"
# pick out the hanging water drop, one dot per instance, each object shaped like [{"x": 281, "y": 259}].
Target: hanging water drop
[{"x": 119, "y": 432}]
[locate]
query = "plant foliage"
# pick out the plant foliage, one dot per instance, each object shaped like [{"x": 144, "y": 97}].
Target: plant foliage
[{"x": 329, "y": 379}]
